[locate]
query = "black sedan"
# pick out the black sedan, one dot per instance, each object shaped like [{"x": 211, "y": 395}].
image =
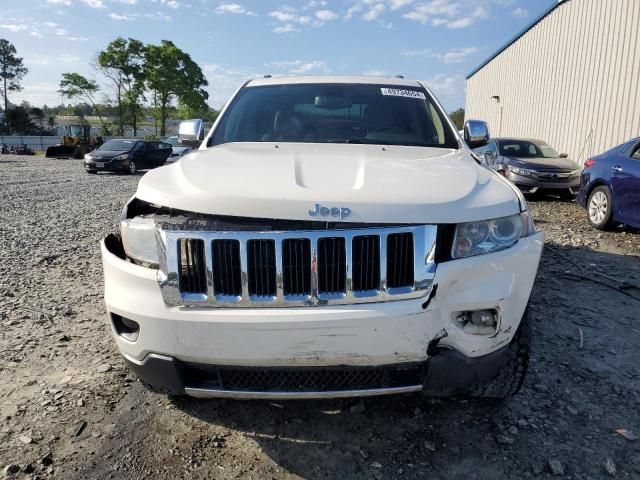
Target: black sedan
[
  {"x": 123, "y": 155},
  {"x": 533, "y": 165}
]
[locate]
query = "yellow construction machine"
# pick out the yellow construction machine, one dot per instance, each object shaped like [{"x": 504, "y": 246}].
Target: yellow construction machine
[{"x": 77, "y": 141}]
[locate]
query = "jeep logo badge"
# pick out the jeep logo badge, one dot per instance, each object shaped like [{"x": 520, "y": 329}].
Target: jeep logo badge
[{"x": 320, "y": 211}]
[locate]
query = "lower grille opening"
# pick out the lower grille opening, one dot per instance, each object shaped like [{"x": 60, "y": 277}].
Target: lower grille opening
[
  {"x": 317, "y": 379},
  {"x": 227, "y": 278},
  {"x": 332, "y": 265},
  {"x": 191, "y": 265},
  {"x": 296, "y": 266},
  {"x": 400, "y": 260}
]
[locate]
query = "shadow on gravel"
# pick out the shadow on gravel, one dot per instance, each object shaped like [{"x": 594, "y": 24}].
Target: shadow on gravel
[
  {"x": 358, "y": 438},
  {"x": 580, "y": 364}
]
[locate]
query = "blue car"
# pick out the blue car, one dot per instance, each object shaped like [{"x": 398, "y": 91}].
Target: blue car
[{"x": 610, "y": 187}]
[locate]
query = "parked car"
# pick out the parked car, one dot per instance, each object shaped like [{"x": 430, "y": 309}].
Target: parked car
[
  {"x": 532, "y": 165},
  {"x": 126, "y": 155},
  {"x": 610, "y": 187},
  {"x": 178, "y": 149},
  {"x": 331, "y": 237}
]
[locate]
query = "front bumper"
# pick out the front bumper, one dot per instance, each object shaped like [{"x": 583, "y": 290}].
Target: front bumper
[
  {"x": 107, "y": 165},
  {"x": 396, "y": 333},
  {"x": 533, "y": 185}
]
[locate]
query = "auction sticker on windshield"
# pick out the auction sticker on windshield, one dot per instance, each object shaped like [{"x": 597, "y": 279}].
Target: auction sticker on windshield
[{"x": 397, "y": 92}]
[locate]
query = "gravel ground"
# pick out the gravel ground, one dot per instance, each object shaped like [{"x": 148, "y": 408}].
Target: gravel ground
[{"x": 69, "y": 408}]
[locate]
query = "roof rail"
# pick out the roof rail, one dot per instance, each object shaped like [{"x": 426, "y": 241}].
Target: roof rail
[
  {"x": 399, "y": 76},
  {"x": 267, "y": 76}
]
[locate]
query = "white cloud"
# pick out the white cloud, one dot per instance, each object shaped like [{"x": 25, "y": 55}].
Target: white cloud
[
  {"x": 301, "y": 67},
  {"x": 454, "y": 14},
  {"x": 13, "y": 27},
  {"x": 396, "y": 4},
  {"x": 126, "y": 2},
  {"x": 233, "y": 8},
  {"x": 450, "y": 89},
  {"x": 520, "y": 12},
  {"x": 117, "y": 16},
  {"x": 287, "y": 28},
  {"x": 326, "y": 15},
  {"x": 284, "y": 15},
  {"x": 66, "y": 3},
  {"x": 51, "y": 24},
  {"x": 314, "y": 4},
  {"x": 158, "y": 16},
  {"x": 374, "y": 12},
  {"x": 94, "y": 3},
  {"x": 456, "y": 55}
]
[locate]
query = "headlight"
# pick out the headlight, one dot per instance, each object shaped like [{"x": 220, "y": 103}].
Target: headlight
[
  {"x": 124, "y": 156},
  {"x": 486, "y": 236},
  {"x": 521, "y": 171},
  {"x": 139, "y": 240},
  {"x": 88, "y": 157}
]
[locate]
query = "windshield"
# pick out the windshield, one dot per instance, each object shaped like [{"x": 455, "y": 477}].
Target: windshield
[
  {"x": 335, "y": 113},
  {"x": 76, "y": 130},
  {"x": 526, "y": 149},
  {"x": 117, "y": 145},
  {"x": 173, "y": 141}
]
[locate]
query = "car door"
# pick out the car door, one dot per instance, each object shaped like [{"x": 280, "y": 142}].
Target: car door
[
  {"x": 164, "y": 151},
  {"x": 625, "y": 184},
  {"x": 140, "y": 154}
]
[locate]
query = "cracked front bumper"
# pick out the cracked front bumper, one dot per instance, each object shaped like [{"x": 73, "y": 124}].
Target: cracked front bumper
[{"x": 393, "y": 333}]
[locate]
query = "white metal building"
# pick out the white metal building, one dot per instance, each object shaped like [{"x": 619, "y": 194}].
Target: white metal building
[{"x": 570, "y": 78}]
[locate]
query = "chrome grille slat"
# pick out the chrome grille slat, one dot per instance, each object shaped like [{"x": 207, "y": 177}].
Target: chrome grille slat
[{"x": 297, "y": 268}]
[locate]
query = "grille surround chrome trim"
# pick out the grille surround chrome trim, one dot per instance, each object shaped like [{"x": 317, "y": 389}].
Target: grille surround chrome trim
[{"x": 424, "y": 242}]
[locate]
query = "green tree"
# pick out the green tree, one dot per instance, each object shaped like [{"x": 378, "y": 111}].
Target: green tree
[
  {"x": 18, "y": 118},
  {"x": 12, "y": 71},
  {"x": 123, "y": 63},
  {"x": 74, "y": 85},
  {"x": 38, "y": 113},
  {"x": 205, "y": 112},
  {"x": 170, "y": 73},
  {"x": 458, "y": 118}
]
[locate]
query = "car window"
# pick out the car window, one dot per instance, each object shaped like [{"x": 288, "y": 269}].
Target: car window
[
  {"x": 140, "y": 146},
  {"x": 635, "y": 153},
  {"x": 117, "y": 145},
  {"x": 526, "y": 149},
  {"x": 336, "y": 113}
]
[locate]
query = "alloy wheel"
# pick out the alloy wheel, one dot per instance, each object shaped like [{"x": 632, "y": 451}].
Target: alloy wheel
[{"x": 598, "y": 207}]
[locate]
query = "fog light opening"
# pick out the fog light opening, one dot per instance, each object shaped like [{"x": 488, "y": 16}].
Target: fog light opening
[
  {"x": 125, "y": 327},
  {"x": 478, "y": 322}
]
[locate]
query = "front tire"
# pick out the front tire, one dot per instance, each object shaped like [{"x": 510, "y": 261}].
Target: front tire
[
  {"x": 133, "y": 168},
  {"x": 600, "y": 208},
  {"x": 511, "y": 376}
]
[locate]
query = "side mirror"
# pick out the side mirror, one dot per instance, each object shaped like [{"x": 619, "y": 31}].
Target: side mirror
[
  {"x": 476, "y": 133},
  {"x": 564, "y": 155},
  {"x": 191, "y": 132}
]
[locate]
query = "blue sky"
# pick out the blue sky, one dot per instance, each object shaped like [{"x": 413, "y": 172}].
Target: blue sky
[{"x": 439, "y": 41}]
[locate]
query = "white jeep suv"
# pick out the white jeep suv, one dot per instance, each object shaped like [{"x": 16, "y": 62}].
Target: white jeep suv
[{"x": 332, "y": 237}]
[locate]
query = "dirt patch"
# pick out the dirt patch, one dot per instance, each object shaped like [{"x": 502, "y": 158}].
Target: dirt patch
[{"x": 71, "y": 410}]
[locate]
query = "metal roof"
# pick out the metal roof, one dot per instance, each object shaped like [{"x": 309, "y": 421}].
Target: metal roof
[{"x": 518, "y": 35}]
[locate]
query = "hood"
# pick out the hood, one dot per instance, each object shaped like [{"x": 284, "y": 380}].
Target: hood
[
  {"x": 107, "y": 153},
  {"x": 390, "y": 184},
  {"x": 559, "y": 163}
]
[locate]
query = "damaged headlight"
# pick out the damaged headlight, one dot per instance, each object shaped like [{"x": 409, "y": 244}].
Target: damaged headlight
[
  {"x": 139, "y": 240},
  {"x": 486, "y": 236}
]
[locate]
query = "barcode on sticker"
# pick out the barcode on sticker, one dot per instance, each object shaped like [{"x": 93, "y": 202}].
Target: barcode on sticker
[{"x": 399, "y": 92}]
